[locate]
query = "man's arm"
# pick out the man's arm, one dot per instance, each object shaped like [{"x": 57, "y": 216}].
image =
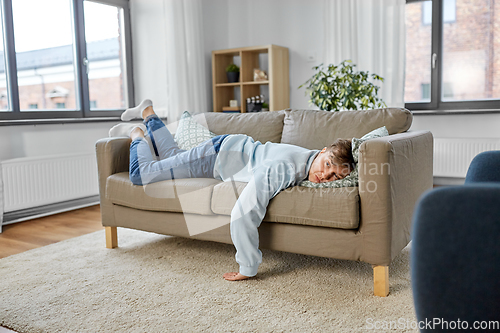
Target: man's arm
[{"x": 250, "y": 208}]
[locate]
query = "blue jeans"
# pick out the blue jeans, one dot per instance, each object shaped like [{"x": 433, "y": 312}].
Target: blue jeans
[{"x": 170, "y": 161}]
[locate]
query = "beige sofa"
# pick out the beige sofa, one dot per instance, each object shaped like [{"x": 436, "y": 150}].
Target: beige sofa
[{"x": 369, "y": 223}]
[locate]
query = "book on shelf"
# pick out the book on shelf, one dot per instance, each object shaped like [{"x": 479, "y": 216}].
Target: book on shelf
[{"x": 233, "y": 109}]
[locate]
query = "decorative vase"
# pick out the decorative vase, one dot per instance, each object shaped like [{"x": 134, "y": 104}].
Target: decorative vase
[{"x": 233, "y": 77}]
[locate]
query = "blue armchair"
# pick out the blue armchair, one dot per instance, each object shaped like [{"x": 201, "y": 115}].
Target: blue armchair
[{"x": 455, "y": 256}]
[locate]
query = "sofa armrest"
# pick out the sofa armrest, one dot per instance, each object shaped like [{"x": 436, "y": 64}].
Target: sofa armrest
[
  {"x": 394, "y": 171},
  {"x": 112, "y": 157}
]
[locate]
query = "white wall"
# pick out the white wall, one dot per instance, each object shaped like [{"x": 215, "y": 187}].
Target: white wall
[
  {"x": 459, "y": 126},
  {"x": 295, "y": 24},
  {"x": 42, "y": 140},
  {"x": 149, "y": 51}
]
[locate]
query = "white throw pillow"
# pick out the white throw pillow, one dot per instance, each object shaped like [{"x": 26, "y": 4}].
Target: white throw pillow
[
  {"x": 190, "y": 133},
  {"x": 376, "y": 133}
]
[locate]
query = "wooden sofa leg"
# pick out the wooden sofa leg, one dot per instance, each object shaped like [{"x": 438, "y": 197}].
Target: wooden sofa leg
[
  {"x": 111, "y": 237},
  {"x": 381, "y": 280}
]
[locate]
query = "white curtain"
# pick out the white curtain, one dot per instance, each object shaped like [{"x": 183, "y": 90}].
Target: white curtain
[
  {"x": 1, "y": 198},
  {"x": 372, "y": 34},
  {"x": 186, "y": 75}
]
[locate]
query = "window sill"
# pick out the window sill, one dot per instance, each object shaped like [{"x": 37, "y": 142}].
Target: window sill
[
  {"x": 64, "y": 121},
  {"x": 453, "y": 112},
  {"x": 57, "y": 121}
]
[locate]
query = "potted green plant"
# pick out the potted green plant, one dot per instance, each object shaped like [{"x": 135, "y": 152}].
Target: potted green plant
[
  {"x": 335, "y": 88},
  {"x": 233, "y": 73}
]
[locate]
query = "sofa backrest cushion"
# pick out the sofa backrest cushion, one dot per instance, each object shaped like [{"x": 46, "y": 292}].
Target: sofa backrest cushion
[
  {"x": 314, "y": 129},
  {"x": 261, "y": 126}
]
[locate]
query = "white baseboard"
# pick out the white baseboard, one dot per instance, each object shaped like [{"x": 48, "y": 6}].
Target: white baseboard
[
  {"x": 36, "y": 212},
  {"x": 448, "y": 181}
]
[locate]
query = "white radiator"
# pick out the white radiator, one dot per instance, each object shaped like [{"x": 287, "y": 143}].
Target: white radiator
[
  {"x": 453, "y": 156},
  {"x": 38, "y": 181}
]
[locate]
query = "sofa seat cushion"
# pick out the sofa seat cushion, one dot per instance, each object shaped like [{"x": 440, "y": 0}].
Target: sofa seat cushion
[
  {"x": 179, "y": 195},
  {"x": 324, "y": 207},
  {"x": 313, "y": 129}
]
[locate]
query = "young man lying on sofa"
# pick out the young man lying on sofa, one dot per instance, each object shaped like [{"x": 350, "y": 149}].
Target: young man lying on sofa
[{"x": 268, "y": 168}]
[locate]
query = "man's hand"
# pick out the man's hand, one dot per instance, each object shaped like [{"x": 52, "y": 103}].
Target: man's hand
[{"x": 234, "y": 276}]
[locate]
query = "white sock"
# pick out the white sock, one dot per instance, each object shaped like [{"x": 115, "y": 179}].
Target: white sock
[
  {"x": 124, "y": 129},
  {"x": 136, "y": 112}
]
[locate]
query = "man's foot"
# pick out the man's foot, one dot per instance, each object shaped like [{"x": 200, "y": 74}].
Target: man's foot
[
  {"x": 137, "y": 132},
  {"x": 234, "y": 276},
  {"x": 148, "y": 111},
  {"x": 136, "y": 112},
  {"x": 124, "y": 129}
]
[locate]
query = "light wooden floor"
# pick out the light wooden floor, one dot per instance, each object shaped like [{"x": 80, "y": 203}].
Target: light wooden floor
[{"x": 24, "y": 236}]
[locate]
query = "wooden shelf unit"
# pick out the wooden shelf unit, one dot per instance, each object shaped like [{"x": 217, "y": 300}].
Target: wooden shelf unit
[{"x": 248, "y": 58}]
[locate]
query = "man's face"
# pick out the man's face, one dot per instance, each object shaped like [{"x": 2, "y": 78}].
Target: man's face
[{"x": 323, "y": 169}]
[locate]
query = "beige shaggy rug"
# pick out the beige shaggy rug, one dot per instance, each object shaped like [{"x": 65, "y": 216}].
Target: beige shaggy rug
[{"x": 155, "y": 283}]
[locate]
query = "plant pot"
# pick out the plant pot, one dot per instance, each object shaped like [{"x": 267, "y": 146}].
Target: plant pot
[{"x": 233, "y": 77}]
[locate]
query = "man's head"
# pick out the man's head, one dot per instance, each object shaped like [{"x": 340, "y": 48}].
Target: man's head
[{"x": 332, "y": 163}]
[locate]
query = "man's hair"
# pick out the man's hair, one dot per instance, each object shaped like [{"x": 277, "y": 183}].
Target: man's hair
[{"x": 341, "y": 151}]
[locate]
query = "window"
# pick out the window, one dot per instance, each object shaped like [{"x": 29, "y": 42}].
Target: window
[
  {"x": 426, "y": 91},
  {"x": 451, "y": 63},
  {"x": 62, "y": 58},
  {"x": 104, "y": 69},
  {"x": 449, "y": 14}
]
